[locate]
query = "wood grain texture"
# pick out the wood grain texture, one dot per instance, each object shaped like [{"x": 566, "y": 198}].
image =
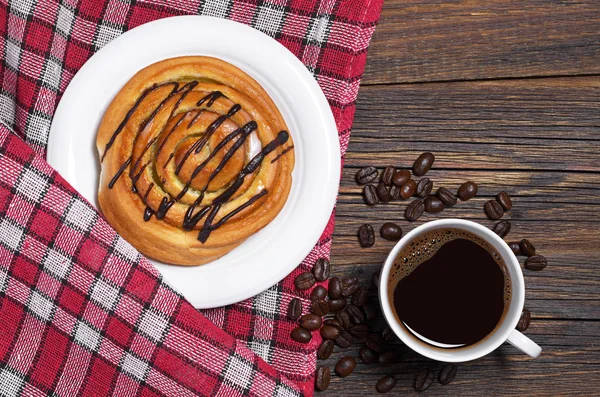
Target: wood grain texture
[
  {"x": 419, "y": 40},
  {"x": 537, "y": 139}
]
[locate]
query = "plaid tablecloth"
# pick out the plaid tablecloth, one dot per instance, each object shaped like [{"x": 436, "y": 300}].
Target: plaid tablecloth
[{"x": 82, "y": 313}]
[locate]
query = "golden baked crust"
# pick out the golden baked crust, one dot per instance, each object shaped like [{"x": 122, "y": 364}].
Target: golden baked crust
[{"x": 195, "y": 158}]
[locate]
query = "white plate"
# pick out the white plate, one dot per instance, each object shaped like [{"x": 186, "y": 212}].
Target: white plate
[{"x": 269, "y": 255}]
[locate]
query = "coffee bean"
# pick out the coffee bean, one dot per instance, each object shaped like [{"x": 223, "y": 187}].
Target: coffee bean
[
  {"x": 333, "y": 322},
  {"x": 294, "y": 309},
  {"x": 408, "y": 189},
  {"x": 536, "y": 263},
  {"x": 447, "y": 374},
  {"x": 344, "y": 340},
  {"x": 355, "y": 313},
  {"x": 376, "y": 278},
  {"x": 359, "y": 297},
  {"x": 527, "y": 248},
  {"x": 343, "y": 318},
  {"x": 310, "y": 322},
  {"x": 366, "y": 235},
  {"x": 414, "y": 210},
  {"x": 322, "y": 378},
  {"x": 359, "y": 331},
  {"x": 321, "y": 269},
  {"x": 335, "y": 289},
  {"x": 319, "y": 292},
  {"x": 304, "y": 280},
  {"x": 446, "y": 196},
  {"x": 349, "y": 285},
  {"x": 502, "y": 228},
  {"x": 388, "y": 335},
  {"x": 433, "y": 205},
  {"x": 320, "y": 307},
  {"x": 370, "y": 313},
  {"x": 301, "y": 335},
  {"x": 504, "y": 199},
  {"x": 366, "y": 175},
  {"x": 395, "y": 192},
  {"x": 345, "y": 366},
  {"x": 524, "y": 321},
  {"x": 493, "y": 210},
  {"x": 367, "y": 355},
  {"x": 467, "y": 191},
  {"x": 370, "y": 195},
  {"x": 330, "y": 332},
  {"x": 424, "y": 188},
  {"x": 376, "y": 343},
  {"x": 423, "y": 380},
  {"x": 387, "y": 175},
  {"x": 385, "y": 384},
  {"x": 325, "y": 350},
  {"x": 515, "y": 248},
  {"x": 423, "y": 164},
  {"x": 400, "y": 177},
  {"x": 389, "y": 357},
  {"x": 391, "y": 231},
  {"x": 335, "y": 305},
  {"x": 383, "y": 193}
]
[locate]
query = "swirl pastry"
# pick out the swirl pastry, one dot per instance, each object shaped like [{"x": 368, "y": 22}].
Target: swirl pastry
[{"x": 195, "y": 158}]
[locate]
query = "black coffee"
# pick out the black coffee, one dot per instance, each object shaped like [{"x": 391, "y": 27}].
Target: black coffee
[{"x": 449, "y": 288}]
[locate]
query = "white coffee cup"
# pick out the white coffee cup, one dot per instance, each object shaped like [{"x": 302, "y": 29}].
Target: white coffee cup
[{"x": 505, "y": 332}]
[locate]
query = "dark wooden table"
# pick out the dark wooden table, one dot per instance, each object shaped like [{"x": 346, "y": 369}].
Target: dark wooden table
[{"x": 507, "y": 94}]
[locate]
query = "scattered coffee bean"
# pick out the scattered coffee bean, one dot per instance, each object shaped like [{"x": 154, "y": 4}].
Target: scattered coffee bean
[
  {"x": 325, "y": 350},
  {"x": 355, "y": 313},
  {"x": 423, "y": 380},
  {"x": 527, "y": 248},
  {"x": 385, "y": 384},
  {"x": 424, "y": 187},
  {"x": 370, "y": 313},
  {"x": 359, "y": 331},
  {"x": 330, "y": 332},
  {"x": 304, "y": 280},
  {"x": 383, "y": 193},
  {"x": 344, "y": 340},
  {"x": 493, "y": 210},
  {"x": 335, "y": 289},
  {"x": 446, "y": 196},
  {"x": 387, "y": 175},
  {"x": 376, "y": 278},
  {"x": 311, "y": 322},
  {"x": 395, "y": 192},
  {"x": 333, "y": 322},
  {"x": 400, "y": 177},
  {"x": 536, "y": 263},
  {"x": 524, "y": 320},
  {"x": 408, "y": 189},
  {"x": 504, "y": 199},
  {"x": 321, "y": 269},
  {"x": 423, "y": 164},
  {"x": 375, "y": 342},
  {"x": 502, "y": 228},
  {"x": 367, "y": 355},
  {"x": 433, "y": 205},
  {"x": 320, "y": 307},
  {"x": 319, "y": 292},
  {"x": 301, "y": 335},
  {"x": 467, "y": 191},
  {"x": 294, "y": 309},
  {"x": 349, "y": 285},
  {"x": 515, "y": 247},
  {"x": 345, "y": 366},
  {"x": 391, "y": 231},
  {"x": 388, "y": 357},
  {"x": 359, "y": 297},
  {"x": 366, "y": 175},
  {"x": 414, "y": 210},
  {"x": 370, "y": 195},
  {"x": 447, "y": 374},
  {"x": 343, "y": 318},
  {"x": 366, "y": 235},
  {"x": 322, "y": 378},
  {"x": 388, "y": 335},
  {"x": 335, "y": 305}
]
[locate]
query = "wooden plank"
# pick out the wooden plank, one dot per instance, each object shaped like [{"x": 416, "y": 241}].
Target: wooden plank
[{"x": 418, "y": 40}]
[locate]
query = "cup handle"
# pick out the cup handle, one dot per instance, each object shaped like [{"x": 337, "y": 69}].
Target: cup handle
[{"x": 524, "y": 344}]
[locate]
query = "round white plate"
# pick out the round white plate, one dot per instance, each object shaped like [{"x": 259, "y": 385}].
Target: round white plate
[{"x": 269, "y": 255}]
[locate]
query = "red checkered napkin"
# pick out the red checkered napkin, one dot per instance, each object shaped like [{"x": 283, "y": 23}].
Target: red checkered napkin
[{"x": 81, "y": 311}]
